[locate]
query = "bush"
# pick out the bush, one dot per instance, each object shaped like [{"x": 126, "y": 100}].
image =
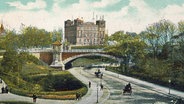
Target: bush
[
  {"x": 61, "y": 82},
  {"x": 26, "y": 57}
]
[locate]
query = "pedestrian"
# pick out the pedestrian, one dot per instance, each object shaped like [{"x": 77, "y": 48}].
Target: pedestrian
[
  {"x": 101, "y": 75},
  {"x": 101, "y": 86},
  {"x": 6, "y": 89},
  {"x": 78, "y": 95},
  {"x": 89, "y": 84},
  {"x": 2, "y": 89},
  {"x": 34, "y": 98}
]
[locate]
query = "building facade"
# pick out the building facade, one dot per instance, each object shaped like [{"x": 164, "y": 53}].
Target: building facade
[{"x": 82, "y": 33}]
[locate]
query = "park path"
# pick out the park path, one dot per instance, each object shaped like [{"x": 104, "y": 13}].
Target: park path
[
  {"x": 91, "y": 96},
  {"x": 13, "y": 97}
]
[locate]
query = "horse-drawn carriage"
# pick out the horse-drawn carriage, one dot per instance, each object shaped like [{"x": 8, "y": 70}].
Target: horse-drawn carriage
[
  {"x": 99, "y": 73},
  {"x": 127, "y": 89}
]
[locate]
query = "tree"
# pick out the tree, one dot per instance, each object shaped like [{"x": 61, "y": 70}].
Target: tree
[
  {"x": 129, "y": 47},
  {"x": 34, "y": 37},
  {"x": 177, "y": 47},
  {"x": 181, "y": 27},
  {"x": 57, "y": 35},
  {"x": 10, "y": 42},
  {"x": 10, "y": 61},
  {"x": 159, "y": 34}
]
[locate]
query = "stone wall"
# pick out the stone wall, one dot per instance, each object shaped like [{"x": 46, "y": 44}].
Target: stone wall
[{"x": 46, "y": 57}]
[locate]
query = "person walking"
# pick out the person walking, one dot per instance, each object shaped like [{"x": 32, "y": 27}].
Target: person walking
[
  {"x": 34, "y": 98},
  {"x": 78, "y": 95},
  {"x": 2, "y": 89},
  {"x": 89, "y": 84},
  {"x": 101, "y": 86}
]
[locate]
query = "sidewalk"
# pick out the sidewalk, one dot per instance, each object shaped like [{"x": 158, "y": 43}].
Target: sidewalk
[
  {"x": 152, "y": 86},
  {"x": 91, "y": 96}
]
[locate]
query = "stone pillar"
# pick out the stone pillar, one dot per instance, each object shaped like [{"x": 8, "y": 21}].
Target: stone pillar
[{"x": 57, "y": 56}]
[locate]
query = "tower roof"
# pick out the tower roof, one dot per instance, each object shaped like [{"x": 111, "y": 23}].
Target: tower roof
[
  {"x": 57, "y": 43},
  {"x": 1, "y": 28}
]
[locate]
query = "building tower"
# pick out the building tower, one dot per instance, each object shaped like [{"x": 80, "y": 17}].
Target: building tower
[
  {"x": 82, "y": 33},
  {"x": 2, "y": 30}
]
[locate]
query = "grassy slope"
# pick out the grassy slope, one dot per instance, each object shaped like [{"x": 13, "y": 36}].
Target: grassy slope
[{"x": 19, "y": 86}]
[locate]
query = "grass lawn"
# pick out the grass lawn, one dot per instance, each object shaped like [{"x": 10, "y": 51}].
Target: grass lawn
[{"x": 32, "y": 79}]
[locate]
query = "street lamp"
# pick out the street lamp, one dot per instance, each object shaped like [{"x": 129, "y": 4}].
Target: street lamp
[
  {"x": 169, "y": 85},
  {"x": 97, "y": 94}
]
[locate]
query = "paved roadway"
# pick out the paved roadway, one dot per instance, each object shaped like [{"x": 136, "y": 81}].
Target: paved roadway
[{"x": 143, "y": 92}]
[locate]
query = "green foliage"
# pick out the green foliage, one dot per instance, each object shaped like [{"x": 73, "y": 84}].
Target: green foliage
[
  {"x": 58, "y": 82},
  {"x": 57, "y": 35},
  {"x": 28, "y": 38},
  {"x": 43, "y": 81},
  {"x": 10, "y": 41},
  {"x": 181, "y": 26},
  {"x": 128, "y": 47},
  {"x": 2, "y": 38},
  {"x": 158, "y": 34},
  {"x": 34, "y": 37},
  {"x": 25, "y": 57},
  {"x": 10, "y": 61}
]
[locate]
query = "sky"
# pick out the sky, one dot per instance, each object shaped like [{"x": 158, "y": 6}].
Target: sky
[{"x": 120, "y": 15}]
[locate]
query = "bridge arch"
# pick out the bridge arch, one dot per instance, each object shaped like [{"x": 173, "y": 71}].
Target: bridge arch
[{"x": 90, "y": 54}]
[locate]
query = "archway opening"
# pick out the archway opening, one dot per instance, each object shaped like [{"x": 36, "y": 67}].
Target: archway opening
[{"x": 91, "y": 62}]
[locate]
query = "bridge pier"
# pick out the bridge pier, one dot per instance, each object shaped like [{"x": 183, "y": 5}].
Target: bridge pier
[
  {"x": 57, "y": 56},
  {"x": 58, "y": 65}
]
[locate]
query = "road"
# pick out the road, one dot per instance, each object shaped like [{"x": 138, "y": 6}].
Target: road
[{"x": 143, "y": 92}]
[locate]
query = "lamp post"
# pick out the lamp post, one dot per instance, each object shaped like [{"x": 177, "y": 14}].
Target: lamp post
[
  {"x": 169, "y": 85},
  {"x": 97, "y": 94}
]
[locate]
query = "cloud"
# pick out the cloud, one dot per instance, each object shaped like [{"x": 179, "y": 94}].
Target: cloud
[
  {"x": 173, "y": 12},
  {"x": 122, "y": 19},
  {"x": 133, "y": 22},
  {"x": 104, "y": 3},
  {"x": 38, "y": 4}
]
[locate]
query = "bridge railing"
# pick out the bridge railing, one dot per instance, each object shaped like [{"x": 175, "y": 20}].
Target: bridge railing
[
  {"x": 51, "y": 50},
  {"x": 34, "y": 50},
  {"x": 84, "y": 50}
]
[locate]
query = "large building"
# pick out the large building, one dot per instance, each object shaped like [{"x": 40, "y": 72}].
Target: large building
[{"x": 82, "y": 33}]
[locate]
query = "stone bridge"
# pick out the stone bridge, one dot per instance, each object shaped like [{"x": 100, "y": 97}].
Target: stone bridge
[{"x": 67, "y": 56}]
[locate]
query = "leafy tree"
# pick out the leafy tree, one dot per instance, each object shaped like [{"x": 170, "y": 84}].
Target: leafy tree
[
  {"x": 10, "y": 42},
  {"x": 177, "y": 47},
  {"x": 2, "y": 38},
  {"x": 34, "y": 37},
  {"x": 159, "y": 34},
  {"x": 127, "y": 46},
  {"x": 57, "y": 35},
  {"x": 10, "y": 61},
  {"x": 181, "y": 27}
]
